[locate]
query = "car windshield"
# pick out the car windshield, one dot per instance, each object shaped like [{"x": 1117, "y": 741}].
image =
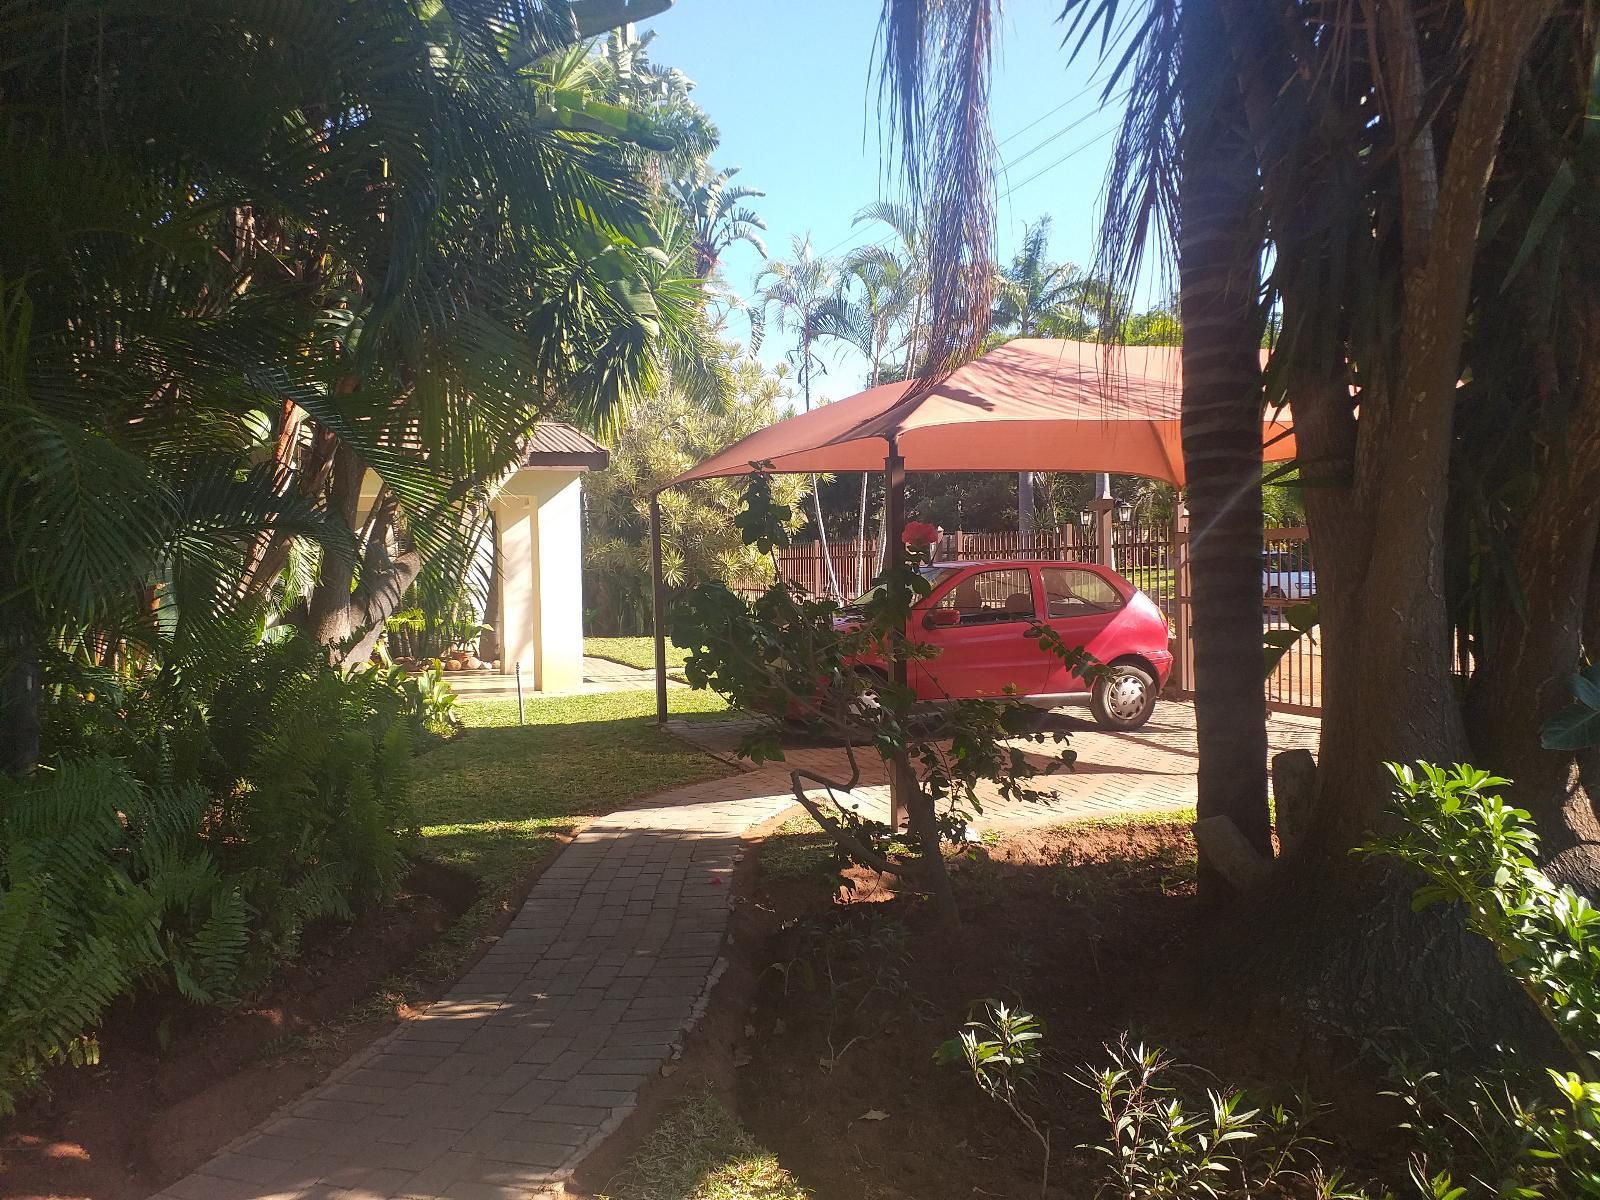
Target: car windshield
[{"x": 932, "y": 574}]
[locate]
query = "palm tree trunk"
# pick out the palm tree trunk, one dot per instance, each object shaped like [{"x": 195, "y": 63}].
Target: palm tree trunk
[
  {"x": 816, "y": 493},
  {"x": 1219, "y": 282},
  {"x": 861, "y": 522}
]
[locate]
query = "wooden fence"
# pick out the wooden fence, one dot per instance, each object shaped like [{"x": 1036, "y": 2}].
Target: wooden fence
[{"x": 1151, "y": 557}]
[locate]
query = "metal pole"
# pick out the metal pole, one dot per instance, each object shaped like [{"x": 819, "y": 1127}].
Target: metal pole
[
  {"x": 520, "y": 720},
  {"x": 894, "y": 519},
  {"x": 658, "y": 605},
  {"x": 1025, "y": 511}
]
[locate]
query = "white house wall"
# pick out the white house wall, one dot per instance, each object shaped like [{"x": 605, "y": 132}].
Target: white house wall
[{"x": 539, "y": 537}]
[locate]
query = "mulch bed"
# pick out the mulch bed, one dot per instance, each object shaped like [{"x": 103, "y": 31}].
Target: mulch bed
[
  {"x": 176, "y": 1084},
  {"x": 1088, "y": 928}
]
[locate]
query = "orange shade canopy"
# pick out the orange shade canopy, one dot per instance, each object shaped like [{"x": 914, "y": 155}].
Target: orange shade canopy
[{"x": 1034, "y": 404}]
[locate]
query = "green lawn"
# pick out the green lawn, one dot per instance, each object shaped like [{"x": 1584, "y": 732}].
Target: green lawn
[
  {"x": 632, "y": 651},
  {"x": 700, "y": 1152},
  {"x": 493, "y": 800}
]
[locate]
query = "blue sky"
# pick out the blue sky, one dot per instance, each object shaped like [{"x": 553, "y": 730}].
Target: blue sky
[{"x": 791, "y": 87}]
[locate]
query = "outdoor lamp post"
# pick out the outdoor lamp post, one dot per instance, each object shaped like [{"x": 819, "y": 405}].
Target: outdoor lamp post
[{"x": 1124, "y": 512}]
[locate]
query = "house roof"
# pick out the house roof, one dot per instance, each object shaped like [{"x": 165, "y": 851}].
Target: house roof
[{"x": 556, "y": 444}]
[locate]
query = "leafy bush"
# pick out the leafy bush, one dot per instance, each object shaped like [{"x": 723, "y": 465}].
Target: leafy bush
[
  {"x": 1480, "y": 853},
  {"x": 791, "y": 656},
  {"x": 103, "y": 884},
  {"x": 184, "y": 833}
]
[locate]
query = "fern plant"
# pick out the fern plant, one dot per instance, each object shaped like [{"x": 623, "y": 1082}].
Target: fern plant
[
  {"x": 104, "y": 884},
  {"x": 189, "y": 826}
]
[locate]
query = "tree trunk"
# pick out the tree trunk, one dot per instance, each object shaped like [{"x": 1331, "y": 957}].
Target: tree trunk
[
  {"x": 1530, "y": 654},
  {"x": 1334, "y": 937},
  {"x": 1219, "y": 246},
  {"x": 345, "y": 616}
]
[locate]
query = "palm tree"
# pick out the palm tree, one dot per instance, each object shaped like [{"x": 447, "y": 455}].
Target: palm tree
[
  {"x": 718, "y": 215},
  {"x": 900, "y": 268},
  {"x": 219, "y": 329},
  {"x": 943, "y": 51},
  {"x": 1034, "y": 297},
  {"x": 875, "y": 296},
  {"x": 802, "y": 290}
]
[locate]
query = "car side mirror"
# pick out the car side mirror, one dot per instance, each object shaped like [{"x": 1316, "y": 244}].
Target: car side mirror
[{"x": 943, "y": 617}]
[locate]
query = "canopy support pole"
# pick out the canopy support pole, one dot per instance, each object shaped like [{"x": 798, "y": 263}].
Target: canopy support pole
[
  {"x": 658, "y": 604},
  {"x": 894, "y": 519}
]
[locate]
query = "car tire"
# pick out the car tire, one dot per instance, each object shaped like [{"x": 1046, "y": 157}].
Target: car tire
[{"x": 1124, "y": 697}]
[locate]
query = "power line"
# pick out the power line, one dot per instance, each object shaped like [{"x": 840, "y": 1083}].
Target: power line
[
  {"x": 1065, "y": 129},
  {"x": 1073, "y": 99},
  {"x": 1000, "y": 169},
  {"x": 1069, "y": 154}
]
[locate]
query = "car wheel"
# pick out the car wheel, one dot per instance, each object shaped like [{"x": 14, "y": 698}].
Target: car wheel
[{"x": 1124, "y": 697}]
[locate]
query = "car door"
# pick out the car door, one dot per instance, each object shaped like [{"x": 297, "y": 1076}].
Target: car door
[
  {"x": 977, "y": 621},
  {"x": 1081, "y": 605}
]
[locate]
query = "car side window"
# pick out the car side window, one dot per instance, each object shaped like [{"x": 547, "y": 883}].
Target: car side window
[
  {"x": 990, "y": 597},
  {"x": 1075, "y": 592}
]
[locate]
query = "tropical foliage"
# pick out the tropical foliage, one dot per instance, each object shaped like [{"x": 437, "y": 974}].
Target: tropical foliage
[
  {"x": 263, "y": 354},
  {"x": 283, "y": 289},
  {"x": 188, "y": 831},
  {"x": 665, "y": 434}
]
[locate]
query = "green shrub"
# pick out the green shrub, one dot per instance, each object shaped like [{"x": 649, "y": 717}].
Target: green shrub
[
  {"x": 103, "y": 885},
  {"x": 1512, "y": 1134},
  {"x": 314, "y": 808},
  {"x": 186, "y": 830}
]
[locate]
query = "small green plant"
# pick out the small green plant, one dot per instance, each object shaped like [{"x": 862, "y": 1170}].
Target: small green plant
[
  {"x": 1001, "y": 1050},
  {"x": 1165, "y": 1139},
  {"x": 1163, "y": 1145},
  {"x": 435, "y": 701},
  {"x": 1480, "y": 853}
]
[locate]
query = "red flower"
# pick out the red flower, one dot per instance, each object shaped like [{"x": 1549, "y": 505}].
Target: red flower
[{"x": 919, "y": 533}]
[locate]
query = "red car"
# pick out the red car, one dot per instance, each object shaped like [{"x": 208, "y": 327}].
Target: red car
[{"x": 978, "y": 612}]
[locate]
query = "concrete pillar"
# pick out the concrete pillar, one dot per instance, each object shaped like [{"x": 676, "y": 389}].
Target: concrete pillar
[
  {"x": 1104, "y": 524},
  {"x": 539, "y": 539}
]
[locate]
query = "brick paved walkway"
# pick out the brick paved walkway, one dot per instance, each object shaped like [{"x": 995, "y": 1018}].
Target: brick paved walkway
[
  {"x": 1148, "y": 770},
  {"x": 497, "y": 1091},
  {"x": 539, "y": 1051}
]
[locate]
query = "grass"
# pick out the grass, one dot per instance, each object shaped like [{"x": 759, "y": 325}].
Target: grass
[
  {"x": 637, "y": 652},
  {"x": 494, "y": 800},
  {"x": 700, "y": 1152},
  {"x": 799, "y": 849}
]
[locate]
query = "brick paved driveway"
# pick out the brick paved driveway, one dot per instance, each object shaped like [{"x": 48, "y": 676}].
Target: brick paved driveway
[{"x": 1148, "y": 770}]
